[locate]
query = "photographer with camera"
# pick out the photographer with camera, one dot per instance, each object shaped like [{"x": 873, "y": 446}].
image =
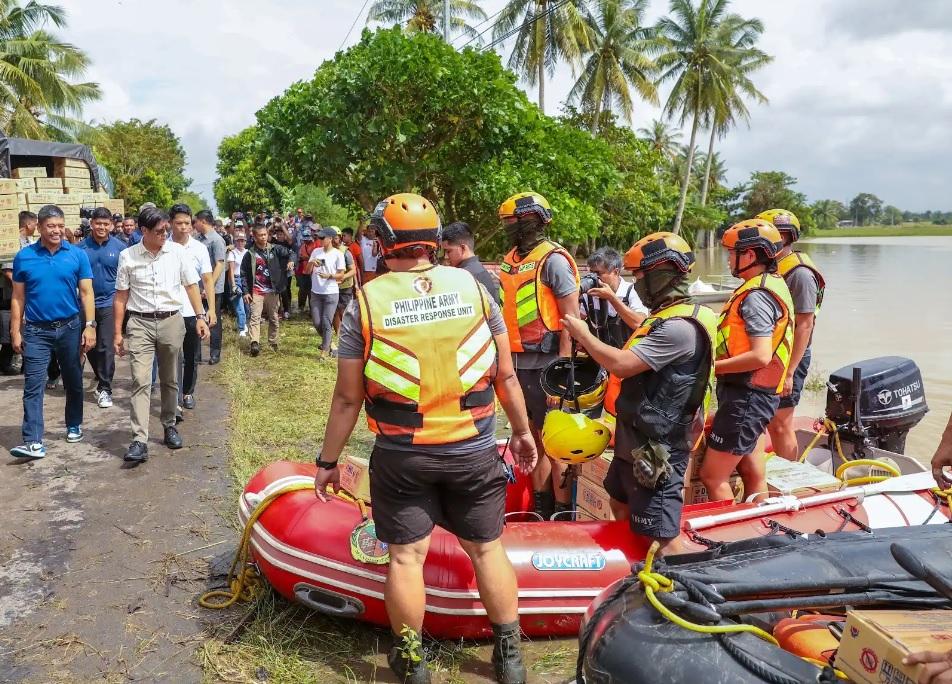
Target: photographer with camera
[{"x": 609, "y": 302}]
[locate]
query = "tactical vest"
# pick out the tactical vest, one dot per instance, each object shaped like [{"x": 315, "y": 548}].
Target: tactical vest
[
  {"x": 664, "y": 405},
  {"x": 733, "y": 340},
  {"x": 529, "y": 306},
  {"x": 429, "y": 356},
  {"x": 796, "y": 260}
]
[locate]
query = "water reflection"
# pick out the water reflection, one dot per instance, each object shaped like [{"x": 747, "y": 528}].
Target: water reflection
[{"x": 885, "y": 296}]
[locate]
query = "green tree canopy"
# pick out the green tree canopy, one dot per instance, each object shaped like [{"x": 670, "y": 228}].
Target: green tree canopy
[
  {"x": 450, "y": 125},
  {"x": 865, "y": 208},
  {"x": 828, "y": 212},
  {"x": 774, "y": 190},
  {"x": 242, "y": 180},
  {"x": 144, "y": 158}
]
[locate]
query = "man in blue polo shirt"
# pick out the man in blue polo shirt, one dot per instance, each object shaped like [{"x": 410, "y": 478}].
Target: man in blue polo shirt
[
  {"x": 45, "y": 322},
  {"x": 103, "y": 249}
]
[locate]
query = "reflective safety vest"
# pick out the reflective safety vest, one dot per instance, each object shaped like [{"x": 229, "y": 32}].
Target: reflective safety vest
[
  {"x": 529, "y": 306},
  {"x": 429, "y": 356},
  {"x": 796, "y": 260},
  {"x": 732, "y": 338},
  {"x": 664, "y": 405}
]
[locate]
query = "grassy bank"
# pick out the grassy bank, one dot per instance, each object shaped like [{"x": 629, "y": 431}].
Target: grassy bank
[
  {"x": 279, "y": 405},
  {"x": 906, "y": 229}
]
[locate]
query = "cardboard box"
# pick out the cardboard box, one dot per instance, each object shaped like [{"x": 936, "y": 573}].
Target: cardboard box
[
  {"x": 77, "y": 185},
  {"x": 355, "y": 477},
  {"x": 10, "y": 217},
  {"x": 792, "y": 477},
  {"x": 70, "y": 168},
  {"x": 9, "y": 186},
  {"x": 592, "y": 499},
  {"x": 43, "y": 184},
  {"x": 695, "y": 492},
  {"x": 30, "y": 172},
  {"x": 80, "y": 174},
  {"x": 45, "y": 197},
  {"x": 9, "y": 202},
  {"x": 875, "y": 642},
  {"x": 596, "y": 469},
  {"x": 116, "y": 206}
]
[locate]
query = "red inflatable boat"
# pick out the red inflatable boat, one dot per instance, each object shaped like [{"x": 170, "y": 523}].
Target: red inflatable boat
[{"x": 308, "y": 550}]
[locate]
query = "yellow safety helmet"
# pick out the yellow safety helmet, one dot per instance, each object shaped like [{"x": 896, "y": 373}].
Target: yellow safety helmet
[
  {"x": 591, "y": 382},
  {"x": 526, "y": 203},
  {"x": 573, "y": 438},
  {"x": 785, "y": 221}
]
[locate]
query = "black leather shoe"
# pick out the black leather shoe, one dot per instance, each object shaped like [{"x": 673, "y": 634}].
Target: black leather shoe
[
  {"x": 172, "y": 438},
  {"x": 188, "y": 401},
  {"x": 213, "y": 359},
  {"x": 255, "y": 348},
  {"x": 137, "y": 453}
]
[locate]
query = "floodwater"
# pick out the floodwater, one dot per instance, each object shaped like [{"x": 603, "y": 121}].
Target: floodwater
[{"x": 884, "y": 296}]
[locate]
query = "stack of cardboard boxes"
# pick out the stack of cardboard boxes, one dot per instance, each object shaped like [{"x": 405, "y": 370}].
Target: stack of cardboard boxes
[
  {"x": 70, "y": 188},
  {"x": 9, "y": 216}
]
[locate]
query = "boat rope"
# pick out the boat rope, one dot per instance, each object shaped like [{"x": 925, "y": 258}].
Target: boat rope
[
  {"x": 777, "y": 527},
  {"x": 244, "y": 582},
  {"x": 850, "y": 518},
  {"x": 941, "y": 496}
]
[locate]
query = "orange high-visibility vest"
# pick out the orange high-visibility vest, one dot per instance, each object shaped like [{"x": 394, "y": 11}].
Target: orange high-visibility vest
[
  {"x": 732, "y": 338},
  {"x": 796, "y": 260},
  {"x": 529, "y": 306},
  {"x": 429, "y": 356}
]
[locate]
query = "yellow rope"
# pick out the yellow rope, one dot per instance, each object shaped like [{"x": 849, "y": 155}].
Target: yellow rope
[
  {"x": 820, "y": 664},
  {"x": 656, "y": 582},
  {"x": 872, "y": 463},
  {"x": 244, "y": 582}
]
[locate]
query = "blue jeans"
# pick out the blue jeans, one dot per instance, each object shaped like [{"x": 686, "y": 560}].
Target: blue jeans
[
  {"x": 241, "y": 311},
  {"x": 41, "y": 343}
]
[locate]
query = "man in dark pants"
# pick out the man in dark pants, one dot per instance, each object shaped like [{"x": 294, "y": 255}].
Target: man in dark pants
[
  {"x": 217, "y": 254},
  {"x": 45, "y": 322},
  {"x": 102, "y": 249}
]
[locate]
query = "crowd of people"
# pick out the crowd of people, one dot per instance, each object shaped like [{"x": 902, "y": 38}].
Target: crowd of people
[{"x": 427, "y": 350}]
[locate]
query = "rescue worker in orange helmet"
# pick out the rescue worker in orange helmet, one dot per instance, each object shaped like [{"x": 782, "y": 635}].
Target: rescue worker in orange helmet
[
  {"x": 539, "y": 284},
  {"x": 425, "y": 350},
  {"x": 754, "y": 343},
  {"x": 806, "y": 286},
  {"x": 658, "y": 390}
]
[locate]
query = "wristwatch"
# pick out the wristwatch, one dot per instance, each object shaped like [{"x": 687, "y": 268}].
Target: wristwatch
[
  {"x": 202, "y": 317},
  {"x": 91, "y": 324},
  {"x": 324, "y": 465}
]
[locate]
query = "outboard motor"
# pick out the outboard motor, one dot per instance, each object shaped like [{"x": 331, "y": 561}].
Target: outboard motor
[{"x": 876, "y": 402}]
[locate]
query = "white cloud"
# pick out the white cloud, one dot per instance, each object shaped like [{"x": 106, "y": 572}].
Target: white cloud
[{"x": 859, "y": 92}]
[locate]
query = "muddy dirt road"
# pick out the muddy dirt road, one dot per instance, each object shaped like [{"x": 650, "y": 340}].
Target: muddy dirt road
[{"x": 100, "y": 563}]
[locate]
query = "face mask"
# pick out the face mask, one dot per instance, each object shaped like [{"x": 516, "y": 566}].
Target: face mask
[
  {"x": 657, "y": 288},
  {"x": 524, "y": 234}
]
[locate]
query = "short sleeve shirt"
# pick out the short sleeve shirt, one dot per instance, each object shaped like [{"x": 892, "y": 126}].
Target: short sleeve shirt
[
  {"x": 760, "y": 312},
  {"x": 196, "y": 257},
  {"x": 804, "y": 289},
  {"x": 154, "y": 281},
  {"x": 51, "y": 280},
  {"x": 559, "y": 276},
  {"x": 216, "y": 252},
  {"x": 671, "y": 341},
  {"x": 326, "y": 264}
]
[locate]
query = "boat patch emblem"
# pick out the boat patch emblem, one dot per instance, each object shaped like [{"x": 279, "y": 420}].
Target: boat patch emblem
[
  {"x": 366, "y": 547},
  {"x": 568, "y": 560}
]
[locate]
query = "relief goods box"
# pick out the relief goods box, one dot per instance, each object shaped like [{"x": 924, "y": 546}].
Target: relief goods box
[
  {"x": 875, "y": 642},
  {"x": 592, "y": 499},
  {"x": 43, "y": 184},
  {"x": 355, "y": 477},
  {"x": 30, "y": 172},
  {"x": 596, "y": 469},
  {"x": 9, "y": 202},
  {"x": 9, "y": 186},
  {"x": 25, "y": 184},
  {"x": 793, "y": 477}
]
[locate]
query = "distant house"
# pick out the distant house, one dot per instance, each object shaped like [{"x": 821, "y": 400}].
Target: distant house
[{"x": 848, "y": 223}]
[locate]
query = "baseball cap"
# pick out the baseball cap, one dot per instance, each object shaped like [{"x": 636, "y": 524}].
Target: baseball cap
[
  {"x": 239, "y": 223},
  {"x": 239, "y": 235},
  {"x": 326, "y": 233}
]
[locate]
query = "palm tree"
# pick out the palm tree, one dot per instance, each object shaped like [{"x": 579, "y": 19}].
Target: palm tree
[
  {"x": 699, "y": 44},
  {"x": 662, "y": 138},
  {"x": 827, "y": 213},
  {"x": 426, "y": 16},
  {"x": 546, "y": 32},
  {"x": 618, "y": 58},
  {"x": 712, "y": 171},
  {"x": 38, "y": 98}
]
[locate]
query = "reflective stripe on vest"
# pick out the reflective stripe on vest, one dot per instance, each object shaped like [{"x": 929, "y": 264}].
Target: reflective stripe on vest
[
  {"x": 429, "y": 356},
  {"x": 732, "y": 338},
  {"x": 529, "y": 306},
  {"x": 701, "y": 315},
  {"x": 797, "y": 259}
]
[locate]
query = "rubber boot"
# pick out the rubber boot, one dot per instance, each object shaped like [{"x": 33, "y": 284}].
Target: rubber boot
[
  {"x": 407, "y": 670},
  {"x": 544, "y": 504},
  {"x": 507, "y": 654},
  {"x": 560, "y": 512}
]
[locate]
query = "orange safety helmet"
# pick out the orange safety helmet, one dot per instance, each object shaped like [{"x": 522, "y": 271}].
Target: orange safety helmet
[
  {"x": 785, "y": 221},
  {"x": 659, "y": 248},
  {"x": 406, "y": 219},
  {"x": 526, "y": 203},
  {"x": 754, "y": 234}
]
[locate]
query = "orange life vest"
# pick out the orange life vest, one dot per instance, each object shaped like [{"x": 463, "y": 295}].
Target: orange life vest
[
  {"x": 429, "y": 356},
  {"x": 733, "y": 340},
  {"x": 798, "y": 260},
  {"x": 529, "y": 306}
]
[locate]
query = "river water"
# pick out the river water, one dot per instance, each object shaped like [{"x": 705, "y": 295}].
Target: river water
[{"x": 884, "y": 296}]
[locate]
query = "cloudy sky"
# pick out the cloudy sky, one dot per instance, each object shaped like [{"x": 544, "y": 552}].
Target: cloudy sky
[{"x": 860, "y": 90}]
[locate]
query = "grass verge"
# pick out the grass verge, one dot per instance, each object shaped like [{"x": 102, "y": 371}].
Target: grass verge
[
  {"x": 279, "y": 405},
  {"x": 903, "y": 230}
]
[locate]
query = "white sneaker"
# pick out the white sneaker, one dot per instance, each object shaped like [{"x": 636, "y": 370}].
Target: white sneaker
[
  {"x": 242, "y": 333},
  {"x": 104, "y": 399}
]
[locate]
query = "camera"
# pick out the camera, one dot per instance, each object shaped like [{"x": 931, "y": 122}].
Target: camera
[
  {"x": 587, "y": 282},
  {"x": 86, "y": 212}
]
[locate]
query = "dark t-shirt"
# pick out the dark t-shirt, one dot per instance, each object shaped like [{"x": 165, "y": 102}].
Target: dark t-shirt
[
  {"x": 262, "y": 275},
  {"x": 483, "y": 277}
]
